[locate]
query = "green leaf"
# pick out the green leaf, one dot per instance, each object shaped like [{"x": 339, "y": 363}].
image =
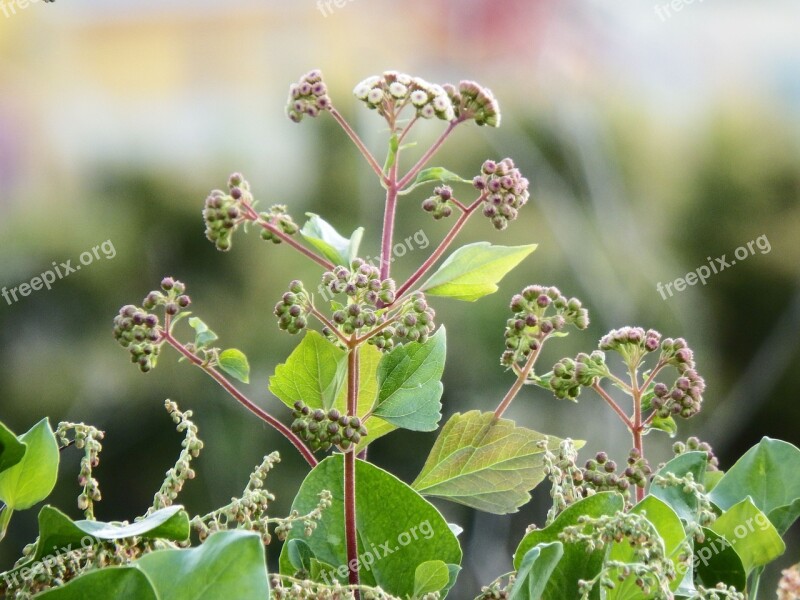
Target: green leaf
[
  {"x": 203, "y": 336},
  {"x": 409, "y": 384},
  {"x": 112, "y": 583},
  {"x": 484, "y": 463},
  {"x": 300, "y": 554},
  {"x": 535, "y": 570},
  {"x": 57, "y": 530},
  {"x": 667, "y": 425},
  {"x": 11, "y": 449},
  {"x": 576, "y": 563},
  {"x": 313, "y": 373},
  {"x": 767, "y": 473},
  {"x": 327, "y": 241},
  {"x": 235, "y": 364},
  {"x": 683, "y": 503},
  {"x": 230, "y": 564},
  {"x": 397, "y": 529},
  {"x": 473, "y": 271},
  {"x": 391, "y": 156},
  {"x": 431, "y": 576},
  {"x": 669, "y": 528},
  {"x": 715, "y": 561},
  {"x": 32, "y": 479},
  {"x": 751, "y": 534},
  {"x": 435, "y": 174}
]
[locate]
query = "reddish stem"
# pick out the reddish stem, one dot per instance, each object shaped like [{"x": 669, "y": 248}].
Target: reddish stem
[
  {"x": 359, "y": 144},
  {"x": 351, "y": 533},
  {"x": 523, "y": 375},
  {"x": 441, "y": 249},
  {"x": 242, "y": 399},
  {"x": 638, "y": 427},
  {"x": 610, "y": 401},
  {"x": 388, "y": 220}
]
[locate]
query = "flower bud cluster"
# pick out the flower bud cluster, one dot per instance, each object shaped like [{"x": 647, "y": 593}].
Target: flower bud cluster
[
  {"x": 473, "y": 101},
  {"x": 301, "y": 588},
  {"x": 178, "y": 475},
  {"x": 292, "y": 310},
  {"x": 570, "y": 375},
  {"x": 789, "y": 585},
  {"x": 88, "y": 439},
  {"x": 440, "y": 205},
  {"x": 693, "y": 444},
  {"x": 538, "y": 312},
  {"x": 223, "y": 211},
  {"x": 505, "y": 191},
  {"x": 139, "y": 332},
  {"x": 417, "y": 320},
  {"x": 322, "y": 429},
  {"x": 633, "y": 343},
  {"x": 278, "y": 217},
  {"x": 683, "y": 399},
  {"x": 308, "y": 97},
  {"x": 365, "y": 291},
  {"x": 395, "y": 90}
]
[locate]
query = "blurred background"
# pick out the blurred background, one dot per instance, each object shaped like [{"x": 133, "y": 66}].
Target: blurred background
[{"x": 653, "y": 137}]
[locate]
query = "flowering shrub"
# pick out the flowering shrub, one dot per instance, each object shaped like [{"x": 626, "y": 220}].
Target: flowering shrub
[{"x": 369, "y": 362}]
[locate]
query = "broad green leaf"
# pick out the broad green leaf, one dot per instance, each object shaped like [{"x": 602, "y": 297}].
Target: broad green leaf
[
  {"x": 112, "y": 583},
  {"x": 409, "y": 384},
  {"x": 230, "y": 564},
  {"x": 203, "y": 336},
  {"x": 683, "y": 503},
  {"x": 435, "y": 174},
  {"x": 535, "y": 569},
  {"x": 234, "y": 363},
  {"x": 431, "y": 576},
  {"x": 397, "y": 529},
  {"x": 484, "y": 463},
  {"x": 716, "y": 561},
  {"x": 767, "y": 473},
  {"x": 58, "y": 531},
  {"x": 669, "y": 528},
  {"x": 473, "y": 271},
  {"x": 712, "y": 479},
  {"x": 751, "y": 534},
  {"x": 327, "y": 241},
  {"x": 313, "y": 373},
  {"x": 300, "y": 555},
  {"x": 33, "y": 478},
  {"x": 11, "y": 449},
  {"x": 576, "y": 563}
]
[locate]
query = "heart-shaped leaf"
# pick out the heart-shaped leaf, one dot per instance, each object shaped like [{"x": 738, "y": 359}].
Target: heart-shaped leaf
[
  {"x": 32, "y": 479},
  {"x": 234, "y": 363}
]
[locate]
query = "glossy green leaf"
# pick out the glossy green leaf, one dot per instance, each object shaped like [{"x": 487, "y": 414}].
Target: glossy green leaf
[
  {"x": 751, "y": 534},
  {"x": 313, "y": 373},
  {"x": 398, "y": 530},
  {"x": 473, "y": 271},
  {"x": 58, "y": 531},
  {"x": 716, "y": 561},
  {"x": 535, "y": 570},
  {"x": 234, "y": 363},
  {"x": 230, "y": 564},
  {"x": 11, "y": 449},
  {"x": 768, "y": 474},
  {"x": 203, "y": 336},
  {"x": 576, "y": 563},
  {"x": 409, "y": 384},
  {"x": 113, "y": 583},
  {"x": 431, "y": 576},
  {"x": 683, "y": 503},
  {"x": 32, "y": 479},
  {"x": 670, "y": 530},
  {"x": 484, "y": 463},
  {"x": 329, "y": 243}
]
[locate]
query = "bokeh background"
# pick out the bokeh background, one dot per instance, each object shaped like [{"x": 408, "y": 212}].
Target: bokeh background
[{"x": 653, "y": 137}]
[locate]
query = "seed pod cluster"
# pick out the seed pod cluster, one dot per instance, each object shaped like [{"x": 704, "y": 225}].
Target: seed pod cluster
[{"x": 323, "y": 430}]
